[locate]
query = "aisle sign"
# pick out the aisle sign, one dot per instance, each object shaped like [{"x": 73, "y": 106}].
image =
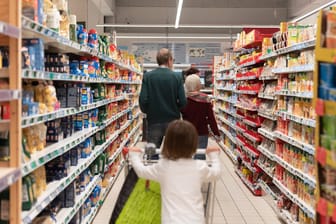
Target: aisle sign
[{"x": 183, "y": 53}]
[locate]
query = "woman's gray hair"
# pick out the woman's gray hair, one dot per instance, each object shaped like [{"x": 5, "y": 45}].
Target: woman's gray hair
[{"x": 192, "y": 83}]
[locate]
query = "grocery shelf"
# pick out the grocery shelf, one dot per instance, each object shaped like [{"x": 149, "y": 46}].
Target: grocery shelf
[
  {"x": 253, "y": 189},
  {"x": 241, "y": 130},
  {"x": 294, "y": 198},
  {"x": 249, "y": 166},
  {"x": 267, "y": 115},
  {"x": 8, "y": 95},
  {"x": 251, "y": 138},
  {"x": 65, "y": 215},
  {"x": 9, "y": 30},
  {"x": 267, "y": 189},
  {"x": 250, "y": 63},
  {"x": 266, "y": 133},
  {"x": 266, "y": 152},
  {"x": 226, "y": 78},
  {"x": 251, "y": 92},
  {"x": 64, "y": 112},
  {"x": 230, "y": 112},
  {"x": 246, "y": 78},
  {"x": 268, "y": 77},
  {"x": 265, "y": 169},
  {"x": 93, "y": 212},
  {"x": 33, "y": 29},
  {"x": 8, "y": 176},
  {"x": 245, "y": 108},
  {"x": 54, "y": 188},
  {"x": 55, "y": 76},
  {"x": 54, "y": 150},
  {"x": 227, "y": 122},
  {"x": 267, "y": 96},
  {"x": 251, "y": 123},
  {"x": 297, "y": 172},
  {"x": 228, "y": 134},
  {"x": 294, "y": 69},
  {"x": 308, "y": 95},
  {"x": 246, "y": 149},
  {"x": 226, "y": 100},
  {"x": 228, "y": 152},
  {"x": 226, "y": 69},
  {"x": 305, "y": 147},
  {"x": 226, "y": 89},
  {"x": 285, "y": 50},
  {"x": 305, "y": 121}
]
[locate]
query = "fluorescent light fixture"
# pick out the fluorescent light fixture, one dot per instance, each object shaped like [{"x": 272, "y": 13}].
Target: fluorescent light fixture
[
  {"x": 178, "y": 13},
  {"x": 314, "y": 11},
  {"x": 175, "y": 37},
  {"x": 187, "y": 26}
]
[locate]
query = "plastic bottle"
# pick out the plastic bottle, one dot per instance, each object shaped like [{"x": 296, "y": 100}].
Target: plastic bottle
[
  {"x": 53, "y": 18},
  {"x": 73, "y": 27}
]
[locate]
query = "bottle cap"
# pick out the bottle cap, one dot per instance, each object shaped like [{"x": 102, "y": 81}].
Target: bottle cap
[{"x": 72, "y": 19}]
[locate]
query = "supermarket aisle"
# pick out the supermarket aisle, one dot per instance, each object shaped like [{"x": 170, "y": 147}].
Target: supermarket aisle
[{"x": 235, "y": 204}]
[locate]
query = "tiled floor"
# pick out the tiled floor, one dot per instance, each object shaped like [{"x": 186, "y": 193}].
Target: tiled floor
[{"x": 234, "y": 203}]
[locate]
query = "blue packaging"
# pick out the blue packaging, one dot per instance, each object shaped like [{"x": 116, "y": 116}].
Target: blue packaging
[
  {"x": 323, "y": 92},
  {"x": 35, "y": 48},
  {"x": 327, "y": 75},
  {"x": 40, "y": 14}
]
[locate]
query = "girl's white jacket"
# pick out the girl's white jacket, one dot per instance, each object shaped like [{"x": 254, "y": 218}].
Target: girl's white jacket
[{"x": 180, "y": 181}]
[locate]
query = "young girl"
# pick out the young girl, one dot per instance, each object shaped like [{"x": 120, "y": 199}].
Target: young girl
[{"x": 180, "y": 176}]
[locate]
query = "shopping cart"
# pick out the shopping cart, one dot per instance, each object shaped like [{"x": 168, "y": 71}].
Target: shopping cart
[{"x": 151, "y": 153}]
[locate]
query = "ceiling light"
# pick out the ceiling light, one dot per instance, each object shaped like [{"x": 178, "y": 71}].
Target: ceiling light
[
  {"x": 178, "y": 13},
  {"x": 175, "y": 37},
  {"x": 314, "y": 11},
  {"x": 188, "y": 26}
]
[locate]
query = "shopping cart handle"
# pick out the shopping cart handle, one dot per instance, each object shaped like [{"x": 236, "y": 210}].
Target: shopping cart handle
[{"x": 150, "y": 149}]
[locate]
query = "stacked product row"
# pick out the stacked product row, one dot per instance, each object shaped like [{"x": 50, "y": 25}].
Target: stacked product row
[
  {"x": 325, "y": 133},
  {"x": 276, "y": 120},
  {"x": 79, "y": 109}
]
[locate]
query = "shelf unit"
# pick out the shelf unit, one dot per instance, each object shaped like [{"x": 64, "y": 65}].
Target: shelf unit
[
  {"x": 265, "y": 146},
  {"x": 226, "y": 97},
  {"x": 13, "y": 170},
  {"x": 10, "y": 178},
  {"x": 325, "y": 109}
]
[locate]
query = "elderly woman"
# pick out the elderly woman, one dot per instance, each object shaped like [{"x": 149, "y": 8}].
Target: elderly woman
[{"x": 199, "y": 110}]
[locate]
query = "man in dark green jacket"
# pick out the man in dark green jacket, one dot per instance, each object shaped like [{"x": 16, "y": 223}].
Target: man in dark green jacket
[{"x": 161, "y": 97}]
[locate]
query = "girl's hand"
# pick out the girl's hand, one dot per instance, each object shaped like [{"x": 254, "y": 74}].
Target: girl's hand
[
  {"x": 135, "y": 149},
  {"x": 212, "y": 149}
]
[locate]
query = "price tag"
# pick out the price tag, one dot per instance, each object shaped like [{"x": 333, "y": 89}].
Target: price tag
[
  {"x": 321, "y": 155},
  {"x": 322, "y": 207}
]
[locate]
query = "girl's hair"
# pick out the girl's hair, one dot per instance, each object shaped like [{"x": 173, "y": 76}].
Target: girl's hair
[
  {"x": 192, "y": 83},
  {"x": 181, "y": 140}
]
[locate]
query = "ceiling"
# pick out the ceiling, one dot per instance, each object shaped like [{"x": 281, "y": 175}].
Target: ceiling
[{"x": 203, "y": 12}]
